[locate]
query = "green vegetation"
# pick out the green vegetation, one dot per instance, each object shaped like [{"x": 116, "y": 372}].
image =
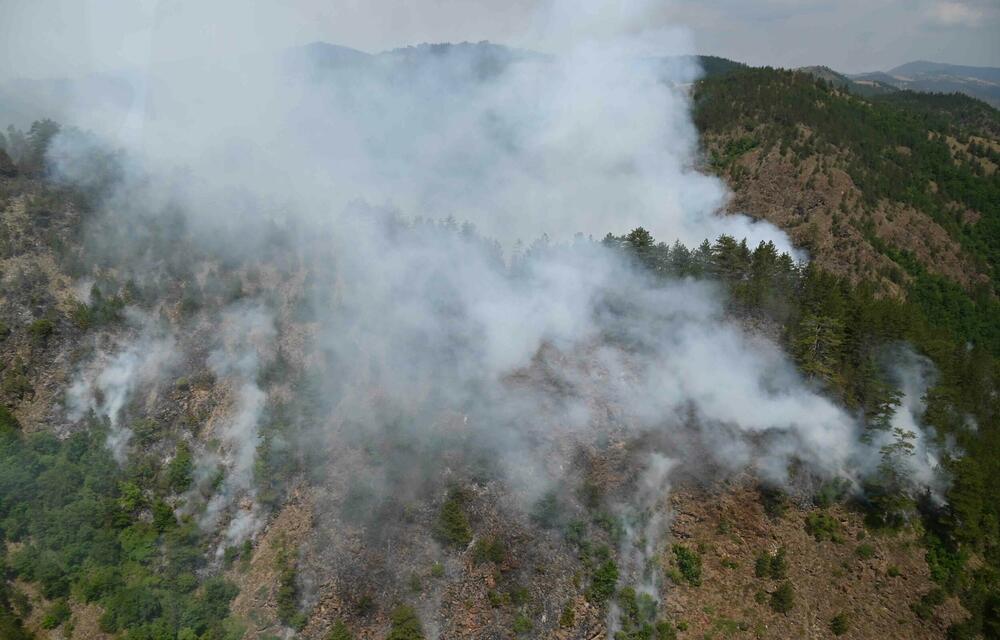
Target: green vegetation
[
  {"x": 40, "y": 330},
  {"x": 453, "y": 525},
  {"x": 101, "y": 310},
  {"x": 546, "y": 512},
  {"x": 773, "y": 500},
  {"x": 180, "y": 469},
  {"x": 522, "y": 624},
  {"x": 948, "y": 111},
  {"x": 288, "y": 591},
  {"x": 405, "y": 624},
  {"x": 823, "y": 526},
  {"x": 489, "y": 550},
  {"x": 80, "y": 521},
  {"x": 567, "y": 619},
  {"x": 638, "y": 615},
  {"x": 57, "y": 614},
  {"x": 840, "y": 624},
  {"x": 688, "y": 563},
  {"x": 27, "y": 150},
  {"x": 773, "y": 566},
  {"x": 604, "y": 582},
  {"x": 339, "y": 631},
  {"x": 895, "y": 145},
  {"x": 924, "y": 608},
  {"x": 783, "y": 598},
  {"x": 713, "y": 66},
  {"x": 85, "y": 530}
]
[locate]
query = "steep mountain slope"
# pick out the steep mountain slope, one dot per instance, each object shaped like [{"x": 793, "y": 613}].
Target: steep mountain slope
[
  {"x": 899, "y": 190},
  {"x": 256, "y": 425},
  {"x": 474, "y": 566}
]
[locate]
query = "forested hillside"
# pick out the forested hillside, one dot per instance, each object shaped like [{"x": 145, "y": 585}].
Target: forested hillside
[
  {"x": 190, "y": 448},
  {"x": 900, "y": 189},
  {"x": 899, "y": 194}
]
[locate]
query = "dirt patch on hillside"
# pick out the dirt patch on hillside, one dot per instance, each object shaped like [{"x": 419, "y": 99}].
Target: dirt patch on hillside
[
  {"x": 822, "y": 210},
  {"x": 874, "y": 588},
  {"x": 256, "y": 603}
]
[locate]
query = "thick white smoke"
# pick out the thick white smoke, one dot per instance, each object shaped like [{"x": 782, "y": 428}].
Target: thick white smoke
[
  {"x": 109, "y": 381},
  {"x": 247, "y": 342},
  {"x": 912, "y": 375}
]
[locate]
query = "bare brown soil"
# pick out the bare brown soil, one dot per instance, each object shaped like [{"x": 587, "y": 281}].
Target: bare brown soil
[{"x": 829, "y": 578}]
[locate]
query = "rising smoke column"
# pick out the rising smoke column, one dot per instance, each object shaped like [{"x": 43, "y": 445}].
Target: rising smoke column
[
  {"x": 247, "y": 343},
  {"x": 106, "y": 384}
]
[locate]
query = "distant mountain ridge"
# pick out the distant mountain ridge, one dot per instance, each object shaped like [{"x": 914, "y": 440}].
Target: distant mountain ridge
[
  {"x": 867, "y": 87},
  {"x": 938, "y": 77},
  {"x": 23, "y": 100},
  {"x": 925, "y": 68}
]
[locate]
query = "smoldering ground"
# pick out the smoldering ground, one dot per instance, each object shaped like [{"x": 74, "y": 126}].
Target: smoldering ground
[{"x": 364, "y": 192}]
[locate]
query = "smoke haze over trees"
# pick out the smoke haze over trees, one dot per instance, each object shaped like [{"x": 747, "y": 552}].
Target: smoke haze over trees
[{"x": 392, "y": 284}]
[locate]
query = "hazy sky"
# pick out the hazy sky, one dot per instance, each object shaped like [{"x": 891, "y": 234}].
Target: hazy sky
[{"x": 62, "y": 37}]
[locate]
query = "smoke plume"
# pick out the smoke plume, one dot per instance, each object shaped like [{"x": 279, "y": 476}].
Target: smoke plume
[{"x": 399, "y": 185}]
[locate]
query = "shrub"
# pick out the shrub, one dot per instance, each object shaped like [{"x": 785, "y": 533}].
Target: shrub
[
  {"x": 181, "y": 468},
  {"x": 288, "y": 593},
  {"x": 229, "y": 555},
  {"x": 783, "y": 599},
  {"x": 546, "y": 512},
  {"x": 688, "y": 563},
  {"x": 924, "y": 608},
  {"x": 489, "y": 550},
  {"x": 945, "y": 563},
  {"x": 665, "y": 630},
  {"x": 865, "y": 551},
  {"x": 405, "y": 624},
  {"x": 518, "y": 595},
  {"x": 339, "y": 631},
  {"x": 762, "y": 567},
  {"x": 453, "y": 525},
  {"x": 772, "y": 566},
  {"x": 603, "y": 583},
  {"x": 823, "y": 526},
  {"x": 839, "y": 624},
  {"x": 522, "y": 624},
  {"x": 416, "y": 584},
  {"x": 568, "y": 616},
  {"x": 8, "y": 423},
  {"x": 779, "y": 565},
  {"x": 832, "y": 491},
  {"x": 638, "y": 611},
  {"x": 57, "y": 614},
  {"x": 773, "y": 501},
  {"x": 40, "y": 330}
]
